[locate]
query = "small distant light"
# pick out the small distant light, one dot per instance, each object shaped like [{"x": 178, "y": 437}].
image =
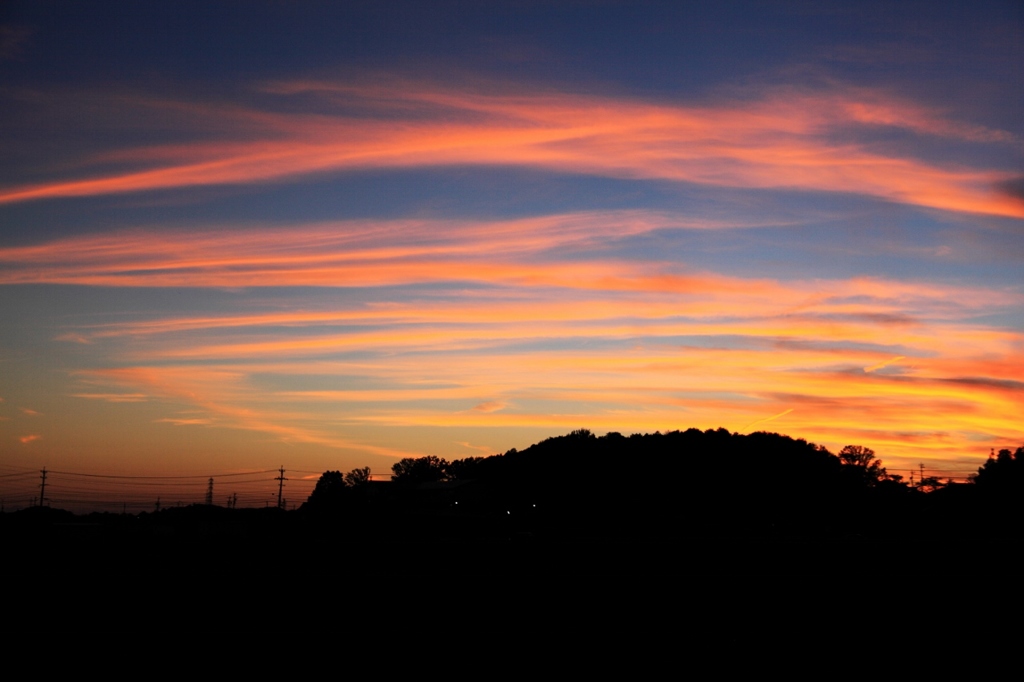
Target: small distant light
[{"x": 508, "y": 512}]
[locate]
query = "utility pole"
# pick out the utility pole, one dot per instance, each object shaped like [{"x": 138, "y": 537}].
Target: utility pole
[
  {"x": 280, "y": 487},
  {"x": 42, "y": 488},
  {"x": 157, "y": 504},
  {"x": 209, "y": 492}
]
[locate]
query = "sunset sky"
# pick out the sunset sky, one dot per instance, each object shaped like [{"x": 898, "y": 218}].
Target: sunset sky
[{"x": 330, "y": 235}]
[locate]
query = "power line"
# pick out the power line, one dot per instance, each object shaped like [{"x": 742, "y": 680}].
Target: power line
[
  {"x": 24, "y": 473},
  {"x": 243, "y": 473}
]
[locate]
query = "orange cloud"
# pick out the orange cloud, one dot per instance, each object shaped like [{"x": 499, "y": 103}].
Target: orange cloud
[
  {"x": 338, "y": 254},
  {"x": 486, "y": 449},
  {"x": 884, "y": 363},
  {"x": 766, "y": 419},
  {"x": 73, "y": 338},
  {"x": 952, "y": 386},
  {"x": 29, "y": 438},
  {"x": 114, "y": 397},
  {"x": 542, "y": 344},
  {"x": 489, "y": 406},
  {"x": 784, "y": 139},
  {"x": 216, "y": 392}
]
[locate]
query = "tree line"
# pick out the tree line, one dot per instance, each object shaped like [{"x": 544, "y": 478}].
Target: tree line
[{"x": 692, "y": 482}]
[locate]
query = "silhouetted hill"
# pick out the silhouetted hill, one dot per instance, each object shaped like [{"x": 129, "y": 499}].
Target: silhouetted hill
[
  {"x": 680, "y": 484},
  {"x": 689, "y": 482},
  {"x": 572, "y": 525}
]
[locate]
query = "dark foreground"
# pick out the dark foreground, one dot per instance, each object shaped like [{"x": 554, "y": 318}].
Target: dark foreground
[{"x": 274, "y": 572}]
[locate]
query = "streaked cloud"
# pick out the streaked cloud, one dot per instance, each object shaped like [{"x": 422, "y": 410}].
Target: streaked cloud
[
  {"x": 787, "y": 138},
  {"x": 527, "y": 323},
  {"x": 766, "y": 419},
  {"x": 215, "y": 393},
  {"x": 73, "y": 338},
  {"x": 885, "y": 363},
  {"x": 447, "y": 369},
  {"x": 114, "y": 397},
  {"x": 489, "y": 406},
  {"x": 484, "y": 449},
  {"x": 184, "y": 421},
  {"x": 13, "y": 40}
]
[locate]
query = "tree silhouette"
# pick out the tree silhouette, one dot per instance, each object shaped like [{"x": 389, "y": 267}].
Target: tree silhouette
[
  {"x": 1002, "y": 472},
  {"x": 329, "y": 491},
  {"x": 470, "y": 467},
  {"x": 861, "y": 461},
  {"x": 427, "y": 469},
  {"x": 357, "y": 477}
]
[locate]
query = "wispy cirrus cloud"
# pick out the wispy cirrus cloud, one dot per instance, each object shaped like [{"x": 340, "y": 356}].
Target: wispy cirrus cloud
[
  {"x": 790, "y": 138},
  {"x": 885, "y": 363},
  {"x": 114, "y": 397},
  {"x": 544, "y": 322},
  {"x": 809, "y": 351},
  {"x": 184, "y": 421},
  {"x": 489, "y": 406},
  {"x": 486, "y": 449},
  {"x": 519, "y": 255},
  {"x": 766, "y": 419},
  {"x": 531, "y": 324},
  {"x": 343, "y": 253},
  {"x": 217, "y": 395}
]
